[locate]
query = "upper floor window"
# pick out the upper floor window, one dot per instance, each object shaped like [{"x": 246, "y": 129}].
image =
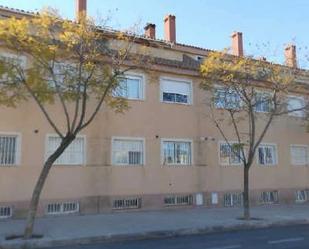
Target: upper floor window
[
  {"x": 8, "y": 150},
  {"x": 176, "y": 91},
  {"x": 297, "y": 104},
  {"x": 263, "y": 102},
  {"x": 176, "y": 152},
  {"x": 267, "y": 154},
  {"x": 226, "y": 98},
  {"x": 299, "y": 154},
  {"x": 128, "y": 151},
  {"x": 74, "y": 154},
  {"x": 130, "y": 87},
  {"x": 230, "y": 153}
]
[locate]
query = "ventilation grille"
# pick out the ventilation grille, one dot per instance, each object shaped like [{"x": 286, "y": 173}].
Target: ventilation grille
[
  {"x": 63, "y": 208},
  {"x": 127, "y": 203},
  {"x": 5, "y": 212},
  {"x": 178, "y": 200}
]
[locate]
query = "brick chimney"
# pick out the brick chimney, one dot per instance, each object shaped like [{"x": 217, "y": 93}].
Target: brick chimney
[
  {"x": 150, "y": 30},
  {"x": 237, "y": 44},
  {"x": 81, "y": 8},
  {"x": 170, "y": 28},
  {"x": 290, "y": 56}
]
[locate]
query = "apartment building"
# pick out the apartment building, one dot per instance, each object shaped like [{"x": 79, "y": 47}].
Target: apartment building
[{"x": 162, "y": 153}]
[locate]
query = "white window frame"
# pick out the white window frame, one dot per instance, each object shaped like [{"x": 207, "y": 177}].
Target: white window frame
[
  {"x": 219, "y": 154},
  {"x": 6, "y": 216},
  {"x": 12, "y": 55},
  {"x": 142, "y": 85},
  {"x": 269, "y": 193},
  {"x": 177, "y": 140},
  {"x": 141, "y": 139},
  {"x": 294, "y": 114},
  {"x": 67, "y": 164},
  {"x": 299, "y": 145},
  {"x": 265, "y": 93},
  {"x": 297, "y": 200},
  {"x": 18, "y": 148},
  {"x": 276, "y": 154},
  {"x": 218, "y": 88},
  {"x": 182, "y": 80}
]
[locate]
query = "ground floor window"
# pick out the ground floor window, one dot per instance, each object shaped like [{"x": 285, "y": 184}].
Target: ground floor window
[
  {"x": 233, "y": 199},
  {"x": 301, "y": 195},
  {"x": 269, "y": 197}
]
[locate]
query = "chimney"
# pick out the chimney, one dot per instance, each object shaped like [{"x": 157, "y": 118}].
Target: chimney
[
  {"x": 81, "y": 9},
  {"x": 290, "y": 56},
  {"x": 170, "y": 28},
  {"x": 237, "y": 44},
  {"x": 150, "y": 30}
]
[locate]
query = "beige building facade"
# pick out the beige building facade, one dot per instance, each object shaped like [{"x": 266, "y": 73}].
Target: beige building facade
[{"x": 164, "y": 152}]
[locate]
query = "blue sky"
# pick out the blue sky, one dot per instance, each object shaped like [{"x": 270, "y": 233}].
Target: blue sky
[{"x": 267, "y": 25}]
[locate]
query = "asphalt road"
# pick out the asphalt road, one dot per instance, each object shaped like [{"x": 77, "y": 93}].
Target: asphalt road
[{"x": 292, "y": 237}]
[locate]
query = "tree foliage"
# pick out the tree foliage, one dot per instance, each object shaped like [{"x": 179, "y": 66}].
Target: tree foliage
[
  {"x": 50, "y": 60},
  {"x": 248, "y": 94}
]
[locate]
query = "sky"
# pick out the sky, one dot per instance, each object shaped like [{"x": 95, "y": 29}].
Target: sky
[{"x": 267, "y": 25}]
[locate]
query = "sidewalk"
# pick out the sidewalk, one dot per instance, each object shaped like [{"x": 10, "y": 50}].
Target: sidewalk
[{"x": 68, "y": 230}]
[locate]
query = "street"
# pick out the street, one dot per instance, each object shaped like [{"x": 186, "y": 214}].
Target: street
[{"x": 293, "y": 237}]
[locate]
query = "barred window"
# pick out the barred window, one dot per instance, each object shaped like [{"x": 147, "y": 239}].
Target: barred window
[
  {"x": 178, "y": 200},
  {"x": 267, "y": 154},
  {"x": 8, "y": 149},
  {"x": 269, "y": 197},
  {"x": 230, "y": 153},
  {"x": 128, "y": 151},
  {"x": 127, "y": 203},
  {"x": 62, "y": 208},
  {"x": 177, "y": 152},
  {"x": 74, "y": 154},
  {"x": 5, "y": 212},
  {"x": 233, "y": 199},
  {"x": 263, "y": 102},
  {"x": 226, "y": 98},
  {"x": 301, "y": 195}
]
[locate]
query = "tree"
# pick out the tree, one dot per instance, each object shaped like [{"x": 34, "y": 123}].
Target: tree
[
  {"x": 250, "y": 94},
  {"x": 69, "y": 64}
]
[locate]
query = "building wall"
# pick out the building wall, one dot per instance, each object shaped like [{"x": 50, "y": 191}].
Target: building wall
[{"x": 96, "y": 184}]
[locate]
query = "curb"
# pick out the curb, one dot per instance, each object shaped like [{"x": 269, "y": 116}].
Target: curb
[{"x": 49, "y": 242}]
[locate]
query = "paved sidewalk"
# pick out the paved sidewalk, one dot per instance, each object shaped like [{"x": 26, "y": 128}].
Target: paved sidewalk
[{"x": 67, "y": 230}]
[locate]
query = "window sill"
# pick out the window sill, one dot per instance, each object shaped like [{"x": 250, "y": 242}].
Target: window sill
[
  {"x": 128, "y": 165},
  {"x": 8, "y": 165},
  {"x": 176, "y": 165},
  {"x": 69, "y": 165},
  {"x": 176, "y": 103},
  {"x": 231, "y": 165},
  {"x": 268, "y": 165}
]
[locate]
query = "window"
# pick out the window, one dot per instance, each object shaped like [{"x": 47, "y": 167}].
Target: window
[
  {"x": 267, "y": 154},
  {"x": 14, "y": 59},
  {"x": 226, "y": 98},
  {"x": 178, "y": 200},
  {"x": 263, "y": 102},
  {"x": 295, "y": 103},
  {"x": 176, "y": 152},
  {"x": 127, "y": 203},
  {"x": 130, "y": 87},
  {"x": 299, "y": 154},
  {"x": 301, "y": 195},
  {"x": 73, "y": 155},
  {"x": 63, "y": 208},
  {"x": 8, "y": 149},
  {"x": 128, "y": 151},
  {"x": 233, "y": 199},
  {"x": 230, "y": 154},
  {"x": 269, "y": 197},
  {"x": 175, "y": 91},
  {"x": 5, "y": 212}
]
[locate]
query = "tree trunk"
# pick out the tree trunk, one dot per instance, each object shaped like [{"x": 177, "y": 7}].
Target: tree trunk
[
  {"x": 246, "y": 193},
  {"x": 28, "y": 232}
]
